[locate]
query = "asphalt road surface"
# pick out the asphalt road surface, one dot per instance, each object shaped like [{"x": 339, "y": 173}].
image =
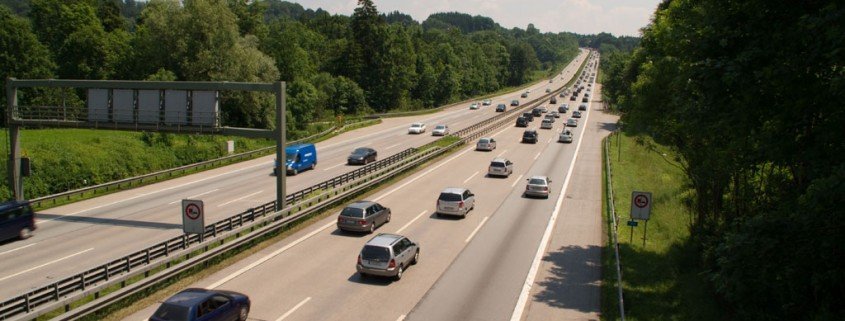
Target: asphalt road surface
[
  {"x": 82, "y": 235},
  {"x": 511, "y": 258}
]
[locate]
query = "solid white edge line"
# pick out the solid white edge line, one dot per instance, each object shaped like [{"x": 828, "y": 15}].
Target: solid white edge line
[
  {"x": 296, "y": 307},
  {"x": 471, "y": 176},
  {"x": 537, "y": 156},
  {"x": 391, "y": 146},
  {"x": 270, "y": 256},
  {"x": 401, "y": 317},
  {"x": 333, "y": 167},
  {"x": 411, "y": 222},
  {"x": 20, "y": 248},
  {"x": 240, "y": 198},
  {"x": 194, "y": 196},
  {"x": 43, "y": 265},
  {"x": 544, "y": 243},
  {"x": 476, "y": 229},
  {"x": 516, "y": 181}
]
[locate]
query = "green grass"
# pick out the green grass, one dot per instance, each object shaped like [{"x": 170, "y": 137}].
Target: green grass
[{"x": 662, "y": 279}]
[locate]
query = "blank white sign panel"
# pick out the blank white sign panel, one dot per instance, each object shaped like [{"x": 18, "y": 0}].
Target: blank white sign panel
[
  {"x": 204, "y": 108},
  {"x": 175, "y": 107},
  {"x": 123, "y": 106},
  {"x": 98, "y": 105},
  {"x": 148, "y": 107}
]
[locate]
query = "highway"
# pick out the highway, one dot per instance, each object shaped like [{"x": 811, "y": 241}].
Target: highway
[
  {"x": 511, "y": 258},
  {"x": 85, "y": 234}
]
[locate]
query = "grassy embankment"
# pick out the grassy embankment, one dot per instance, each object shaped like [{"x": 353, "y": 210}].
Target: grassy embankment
[{"x": 661, "y": 280}]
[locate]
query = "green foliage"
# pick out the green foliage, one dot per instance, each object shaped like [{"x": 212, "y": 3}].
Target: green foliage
[
  {"x": 754, "y": 111},
  {"x": 22, "y": 55}
]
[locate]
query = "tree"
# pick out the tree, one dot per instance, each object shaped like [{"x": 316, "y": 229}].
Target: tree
[{"x": 23, "y": 56}]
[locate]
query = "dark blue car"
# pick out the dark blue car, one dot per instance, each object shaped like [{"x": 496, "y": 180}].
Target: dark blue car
[{"x": 203, "y": 305}]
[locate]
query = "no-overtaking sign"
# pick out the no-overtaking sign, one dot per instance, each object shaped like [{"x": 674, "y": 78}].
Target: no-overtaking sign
[
  {"x": 640, "y": 205},
  {"x": 193, "y": 216}
]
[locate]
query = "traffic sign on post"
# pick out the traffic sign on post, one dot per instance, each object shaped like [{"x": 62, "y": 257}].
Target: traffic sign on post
[
  {"x": 640, "y": 205},
  {"x": 193, "y": 216}
]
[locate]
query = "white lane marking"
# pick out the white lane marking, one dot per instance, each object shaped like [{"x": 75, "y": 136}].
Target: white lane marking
[
  {"x": 544, "y": 243},
  {"x": 20, "y": 248},
  {"x": 158, "y": 191},
  {"x": 409, "y": 223},
  {"x": 502, "y": 153},
  {"x": 270, "y": 256},
  {"x": 194, "y": 196},
  {"x": 240, "y": 198},
  {"x": 470, "y": 177},
  {"x": 550, "y": 140},
  {"x": 330, "y": 168},
  {"x": 401, "y": 317},
  {"x": 296, "y": 307},
  {"x": 422, "y": 175},
  {"x": 391, "y": 146},
  {"x": 516, "y": 181},
  {"x": 537, "y": 156},
  {"x": 476, "y": 229},
  {"x": 43, "y": 265}
]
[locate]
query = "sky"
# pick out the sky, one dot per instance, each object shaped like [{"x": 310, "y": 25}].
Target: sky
[{"x": 619, "y": 17}]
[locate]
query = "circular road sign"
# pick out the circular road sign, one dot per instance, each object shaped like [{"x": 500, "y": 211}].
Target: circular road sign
[
  {"x": 641, "y": 201},
  {"x": 192, "y": 211}
]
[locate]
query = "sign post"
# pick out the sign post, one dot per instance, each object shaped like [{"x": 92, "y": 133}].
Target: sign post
[
  {"x": 640, "y": 210},
  {"x": 193, "y": 217}
]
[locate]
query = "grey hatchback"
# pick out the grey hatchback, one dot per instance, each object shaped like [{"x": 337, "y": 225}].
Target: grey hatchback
[
  {"x": 387, "y": 255},
  {"x": 363, "y": 216}
]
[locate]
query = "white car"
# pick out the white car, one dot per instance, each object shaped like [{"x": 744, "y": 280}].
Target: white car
[
  {"x": 500, "y": 167},
  {"x": 547, "y": 124},
  {"x": 538, "y": 186},
  {"x": 416, "y": 128},
  {"x": 440, "y": 130},
  {"x": 487, "y": 102},
  {"x": 486, "y": 143},
  {"x": 572, "y": 122},
  {"x": 473, "y": 106},
  {"x": 565, "y": 136}
]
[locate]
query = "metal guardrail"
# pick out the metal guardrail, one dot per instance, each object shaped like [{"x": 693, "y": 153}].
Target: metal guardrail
[
  {"x": 610, "y": 203},
  {"x": 146, "y": 178},
  {"x": 71, "y": 289}
]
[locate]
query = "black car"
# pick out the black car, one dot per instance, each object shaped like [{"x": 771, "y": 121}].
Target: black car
[
  {"x": 529, "y": 116},
  {"x": 500, "y": 108},
  {"x": 553, "y": 100},
  {"x": 529, "y": 136},
  {"x": 573, "y": 98},
  {"x": 202, "y": 304},
  {"x": 585, "y": 99},
  {"x": 524, "y": 95},
  {"x": 514, "y": 102},
  {"x": 521, "y": 122},
  {"x": 563, "y": 108},
  {"x": 362, "y": 155},
  {"x": 537, "y": 112}
]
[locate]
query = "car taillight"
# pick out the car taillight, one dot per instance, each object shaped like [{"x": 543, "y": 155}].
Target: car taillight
[
  {"x": 461, "y": 204},
  {"x": 362, "y": 222},
  {"x": 392, "y": 264},
  {"x": 438, "y": 203},
  {"x": 527, "y": 187},
  {"x": 546, "y": 188},
  {"x": 340, "y": 219},
  {"x": 359, "y": 259}
]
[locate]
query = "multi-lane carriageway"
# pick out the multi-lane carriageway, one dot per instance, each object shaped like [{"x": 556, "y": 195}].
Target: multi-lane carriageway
[{"x": 318, "y": 281}]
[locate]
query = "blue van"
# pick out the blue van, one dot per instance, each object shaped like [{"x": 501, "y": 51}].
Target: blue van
[
  {"x": 299, "y": 158},
  {"x": 16, "y": 220}
]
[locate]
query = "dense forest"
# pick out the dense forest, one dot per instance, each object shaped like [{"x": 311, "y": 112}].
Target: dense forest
[
  {"x": 334, "y": 64},
  {"x": 751, "y": 94}
]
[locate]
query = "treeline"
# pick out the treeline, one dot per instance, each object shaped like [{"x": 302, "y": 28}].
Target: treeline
[
  {"x": 334, "y": 64},
  {"x": 752, "y": 95}
]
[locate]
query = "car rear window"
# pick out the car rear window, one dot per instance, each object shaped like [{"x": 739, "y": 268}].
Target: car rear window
[
  {"x": 352, "y": 212},
  {"x": 449, "y": 197},
  {"x": 375, "y": 253},
  {"x": 536, "y": 181},
  {"x": 172, "y": 312},
  {"x": 497, "y": 164},
  {"x": 484, "y": 140}
]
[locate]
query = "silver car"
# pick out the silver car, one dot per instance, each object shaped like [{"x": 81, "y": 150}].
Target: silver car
[
  {"x": 416, "y": 128},
  {"x": 387, "y": 255},
  {"x": 440, "y": 130},
  {"x": 547, "y": 124},
  {"x": 572, "y": 122},
  {"x": 565, "y": 136},
  {"x": 363, "y": 216},
  {"x": 455, "y": 201},
  {"x": 500, "y": 167},
  {"x": 473, "y": 106},
  {"x": 486, "y": 143},
  {"x": 538, "y": 186}
]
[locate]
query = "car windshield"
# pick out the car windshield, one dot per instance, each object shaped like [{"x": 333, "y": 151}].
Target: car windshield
[
  {"x": 416, "y": 125},
  {"x": 172, "y": 312},
  {"x": 450, "y": 197},
  {"x": 290, "y": 157},
  {"x": 375, "y": 253},
  {"x": 537, "y": 181},
  {"x": 360, "y": 151},
  {"x": 440, "y": 127},
  {"x": 352, "y": 212}
]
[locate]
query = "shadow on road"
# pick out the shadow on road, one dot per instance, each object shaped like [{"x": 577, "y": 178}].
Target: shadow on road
[
  {"x": 576, "y": 271},
  {"x": 109, "y": 221}
]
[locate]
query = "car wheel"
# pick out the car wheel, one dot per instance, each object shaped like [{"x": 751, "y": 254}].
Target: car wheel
[
  {"x": 399, "y": 272},
  {"x": 416, "y": 257},
  {"x": 388, "y": 218},
  {"x": 372, "y": 228},
  {"x": 313, "y": 165},
  {"x": 294, "y": 172},
  {"x": 438, "y": 214},
  {"x": 243, "y": 314},
  {"x": 25, "y": 233}
]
